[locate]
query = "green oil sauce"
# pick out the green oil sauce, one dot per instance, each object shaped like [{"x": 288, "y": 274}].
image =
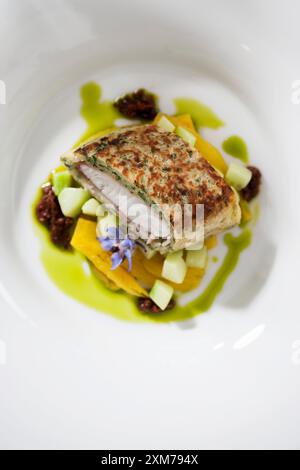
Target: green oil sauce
[
  {"x": 98, "y": 115},
  {"x": 71, "y": 272},
  {"x": 235, "y": 246},
  {"x": 237, "y": 148},
  {"x": 202, "y": 115}
]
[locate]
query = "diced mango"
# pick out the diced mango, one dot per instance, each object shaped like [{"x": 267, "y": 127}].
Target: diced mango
[
  {"x": 84, "y": 240},
  {"x": 246, "y": 212}
]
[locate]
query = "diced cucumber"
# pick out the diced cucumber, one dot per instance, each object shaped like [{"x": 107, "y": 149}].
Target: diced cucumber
[
  {"x": 238, "y": 176},
  {"x": 174, "y": 268},
  {"x": 71, "y": 201},
  {"x": 186, "y": 136},
  {"x": 197, "y": 259},
  {"x": 100, "y": 212},
  {"x": 109, "y": 220},
  {"x": 165, "y": 124},
  {"x": 90, "y": 207},
  {"x": 196, "y": 247},
  {"x": 161, "y": 294},
  {"x": 60, "y": 181}
]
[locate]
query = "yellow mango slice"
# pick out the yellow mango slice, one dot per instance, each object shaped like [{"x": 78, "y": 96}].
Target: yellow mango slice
[
  {"x": 211, "y": 242},
  {"x": 207, "y": 150},
  {"x": 139, "y": 271},
  {"x": 246, "y": 212},
  {"x": 84, "y": 240},
  {"x": 155, "y": 266},
  {"x": 144, "y": 270},
  {"x": 192, "y": 280},
  {"x": 102, "y": 278}
]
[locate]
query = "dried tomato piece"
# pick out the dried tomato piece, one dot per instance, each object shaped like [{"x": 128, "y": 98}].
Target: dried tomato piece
[
  {"x": 49, "y": 213},
  {"x": 44, "y": 208},
  {"x": 148, "y": 306},
  {"x": 60, "y": 231},
  {"x": 140, "y": 104},
  {"x": 253, "y": 188}
]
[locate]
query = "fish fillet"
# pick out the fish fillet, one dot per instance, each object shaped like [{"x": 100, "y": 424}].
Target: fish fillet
[{"x": 151, "y": 166}]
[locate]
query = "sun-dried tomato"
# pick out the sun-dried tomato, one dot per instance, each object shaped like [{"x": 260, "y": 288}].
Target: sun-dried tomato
[
  {"x": 137, "y": 105},
  {"x": 49, "y": 213}
]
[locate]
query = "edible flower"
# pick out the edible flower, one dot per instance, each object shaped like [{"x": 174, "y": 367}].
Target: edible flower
[{"x": 120, "y": 246}]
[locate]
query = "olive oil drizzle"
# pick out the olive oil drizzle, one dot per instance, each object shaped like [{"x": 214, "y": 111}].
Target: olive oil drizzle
[{"x": 237, "y": 148}]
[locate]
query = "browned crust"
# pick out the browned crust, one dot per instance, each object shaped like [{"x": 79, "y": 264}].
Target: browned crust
[{"x": 161, "y": 165}]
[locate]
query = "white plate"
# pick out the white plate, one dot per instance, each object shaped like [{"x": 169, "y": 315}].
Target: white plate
[{"x": 72, "y": 377}]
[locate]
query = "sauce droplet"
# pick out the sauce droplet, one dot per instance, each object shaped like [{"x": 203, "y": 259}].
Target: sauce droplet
[
  {"x": 237, "y": 148},
  {"x": 99, "y": 115},
  {"x": 235, "y": 245},
  {"x": 202, "y": 115}
]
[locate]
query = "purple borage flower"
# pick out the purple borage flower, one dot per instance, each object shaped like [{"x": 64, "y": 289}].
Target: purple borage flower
[{"x": 121, "y": 247}]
